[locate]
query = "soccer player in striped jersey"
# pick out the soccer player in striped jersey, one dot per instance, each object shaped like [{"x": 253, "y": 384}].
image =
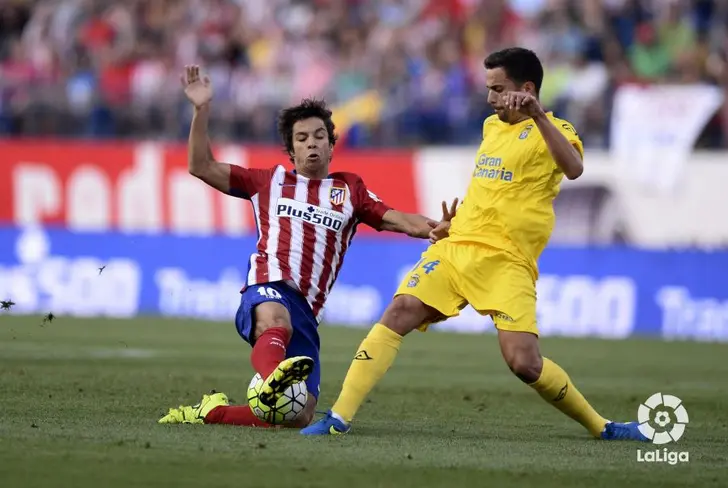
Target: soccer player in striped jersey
[{"x": 306, "y": 218}]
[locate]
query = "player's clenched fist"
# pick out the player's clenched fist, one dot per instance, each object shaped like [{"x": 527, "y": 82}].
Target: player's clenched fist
[
  {"x": 524, "y": 103},
  {"x": 197, "y": 90}
]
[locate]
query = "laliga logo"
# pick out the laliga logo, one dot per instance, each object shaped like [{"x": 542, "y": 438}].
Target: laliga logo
[
  {"x": 662, "y": 419},
  {"x": 667, "y": 413}
]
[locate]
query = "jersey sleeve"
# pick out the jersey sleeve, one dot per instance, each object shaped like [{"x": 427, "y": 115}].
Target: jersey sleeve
[
  {"x": 571, "y": 135},
  {"x": 246, "y": 182},
  {"x": 368, "y": 207}
]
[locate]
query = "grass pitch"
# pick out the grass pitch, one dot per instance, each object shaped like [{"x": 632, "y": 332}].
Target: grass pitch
[{"x": 80, "y": 400}]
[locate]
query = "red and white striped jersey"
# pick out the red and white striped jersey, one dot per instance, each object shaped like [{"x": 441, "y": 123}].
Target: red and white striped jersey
[{"x": 304, "y": 226}]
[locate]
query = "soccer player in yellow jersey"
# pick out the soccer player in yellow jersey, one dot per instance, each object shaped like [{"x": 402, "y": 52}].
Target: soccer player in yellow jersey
[{"x": 487, "y": 255}]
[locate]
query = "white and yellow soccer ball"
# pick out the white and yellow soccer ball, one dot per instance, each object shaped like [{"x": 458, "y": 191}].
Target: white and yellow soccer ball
[{"x": 287, "y": 409}]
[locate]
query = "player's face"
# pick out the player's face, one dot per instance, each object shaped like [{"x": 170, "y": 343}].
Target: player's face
[
  {"x": 311, "y": 148},
  {"x": 498, "y": 85}
]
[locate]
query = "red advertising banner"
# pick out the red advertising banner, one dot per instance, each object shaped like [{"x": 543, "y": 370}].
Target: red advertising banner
[{"x": 144, "y": 186}]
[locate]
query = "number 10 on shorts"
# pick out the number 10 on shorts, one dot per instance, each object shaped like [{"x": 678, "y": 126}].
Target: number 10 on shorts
[{"x": 268, "y": 292}]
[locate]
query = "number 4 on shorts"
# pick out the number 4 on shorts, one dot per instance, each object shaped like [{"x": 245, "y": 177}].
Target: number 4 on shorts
[
  {"x": 268, "y": 292},
  {"x": 430, "y": 267}
]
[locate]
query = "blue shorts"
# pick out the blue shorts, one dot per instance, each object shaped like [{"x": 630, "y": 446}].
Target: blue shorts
[{"x": 305, "y": 338}]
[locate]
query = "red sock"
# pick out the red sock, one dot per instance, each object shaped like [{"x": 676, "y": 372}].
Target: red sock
[
  {"x": 234, "y": 415},
  {"x": 270, "y": 350}
]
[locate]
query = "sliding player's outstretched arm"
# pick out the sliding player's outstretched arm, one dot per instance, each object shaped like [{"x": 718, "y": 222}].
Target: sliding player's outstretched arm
[
  {"x": 200, "y": 160},
  {"x": 228, "y": 178}
]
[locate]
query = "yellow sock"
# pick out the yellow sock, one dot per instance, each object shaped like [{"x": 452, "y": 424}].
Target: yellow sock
[
  {"x": 555, "y": 387},
  {"x": 373, "y": 358}
]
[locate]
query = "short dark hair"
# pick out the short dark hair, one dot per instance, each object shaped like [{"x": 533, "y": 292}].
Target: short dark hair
[
  {"x": 307, "y": 109},
  {"x": 520, "y": 64}
]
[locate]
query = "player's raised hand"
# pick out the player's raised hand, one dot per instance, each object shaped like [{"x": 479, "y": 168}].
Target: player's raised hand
[
  {"x": 442, "y": 229},
  {"x": 197, "y": 90},
  {"x": 448, "y": 214},
  {"x": 524, "y": 103}
]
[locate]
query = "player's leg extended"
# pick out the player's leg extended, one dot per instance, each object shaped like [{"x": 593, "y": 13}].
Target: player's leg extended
[
  {"x": 378, "y": 350},
  {"x": 215, "y": 409},
  {"x": 273, "y": 331},
  {"x": 423, "y": 297},
  {"x": 521, "y": 352},
  {"x": 285, "y": 342},
  {"x": 373, "y": 358},
  {"x": 264, "y": 321},
  {"x": 242, "y": 415},
  {"x": 505, "y": 289},
  {"x": 515, "y": 317},
  {"x": 195, "y": 414},
  {"x": 304, "y": 343}
]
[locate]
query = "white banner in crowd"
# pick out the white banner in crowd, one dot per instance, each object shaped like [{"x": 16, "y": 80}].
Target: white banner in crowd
[{"x": 655, "y": 128}]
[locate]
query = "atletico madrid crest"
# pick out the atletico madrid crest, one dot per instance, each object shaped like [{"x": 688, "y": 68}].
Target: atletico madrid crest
[{"x": 337, "y": 196}]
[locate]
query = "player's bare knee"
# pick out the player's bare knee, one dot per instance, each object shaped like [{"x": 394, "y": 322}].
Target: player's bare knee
[
  {"x": 404, "y": 314},
  {"x": 269, "y": 315},
  {"x": 522, "y": 354},
  {"x": 526, "y": 365}
]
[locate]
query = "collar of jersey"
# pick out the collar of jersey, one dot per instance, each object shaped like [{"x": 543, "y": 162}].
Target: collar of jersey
[{"x": 328, "y": 177}]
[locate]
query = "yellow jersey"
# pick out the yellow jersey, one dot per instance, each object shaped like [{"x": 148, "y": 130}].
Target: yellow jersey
[{"x": 509, "y": 202}]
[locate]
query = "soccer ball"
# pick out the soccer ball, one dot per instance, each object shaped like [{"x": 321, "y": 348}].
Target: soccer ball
[{"x": 289, "y": 406}]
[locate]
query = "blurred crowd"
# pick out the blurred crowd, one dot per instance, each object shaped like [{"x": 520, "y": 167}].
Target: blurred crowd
[{"x": 101, "y": 68}]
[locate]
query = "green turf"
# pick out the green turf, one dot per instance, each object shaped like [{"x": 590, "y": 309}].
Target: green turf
[{"x": 80, "y": 400}]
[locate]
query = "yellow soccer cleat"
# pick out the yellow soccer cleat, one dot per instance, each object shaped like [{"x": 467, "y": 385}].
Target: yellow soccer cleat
[
  {"x": 289, "y": 371},
  {"x": 195, "y": 414}
]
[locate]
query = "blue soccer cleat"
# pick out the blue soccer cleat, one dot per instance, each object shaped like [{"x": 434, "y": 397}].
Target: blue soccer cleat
[
  {"x": 329, "y": 425},
  {"x": 629, "y": 431}
]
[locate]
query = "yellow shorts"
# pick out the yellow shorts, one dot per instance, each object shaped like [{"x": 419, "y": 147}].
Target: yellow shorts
[{"x": 452, "y": 275}]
